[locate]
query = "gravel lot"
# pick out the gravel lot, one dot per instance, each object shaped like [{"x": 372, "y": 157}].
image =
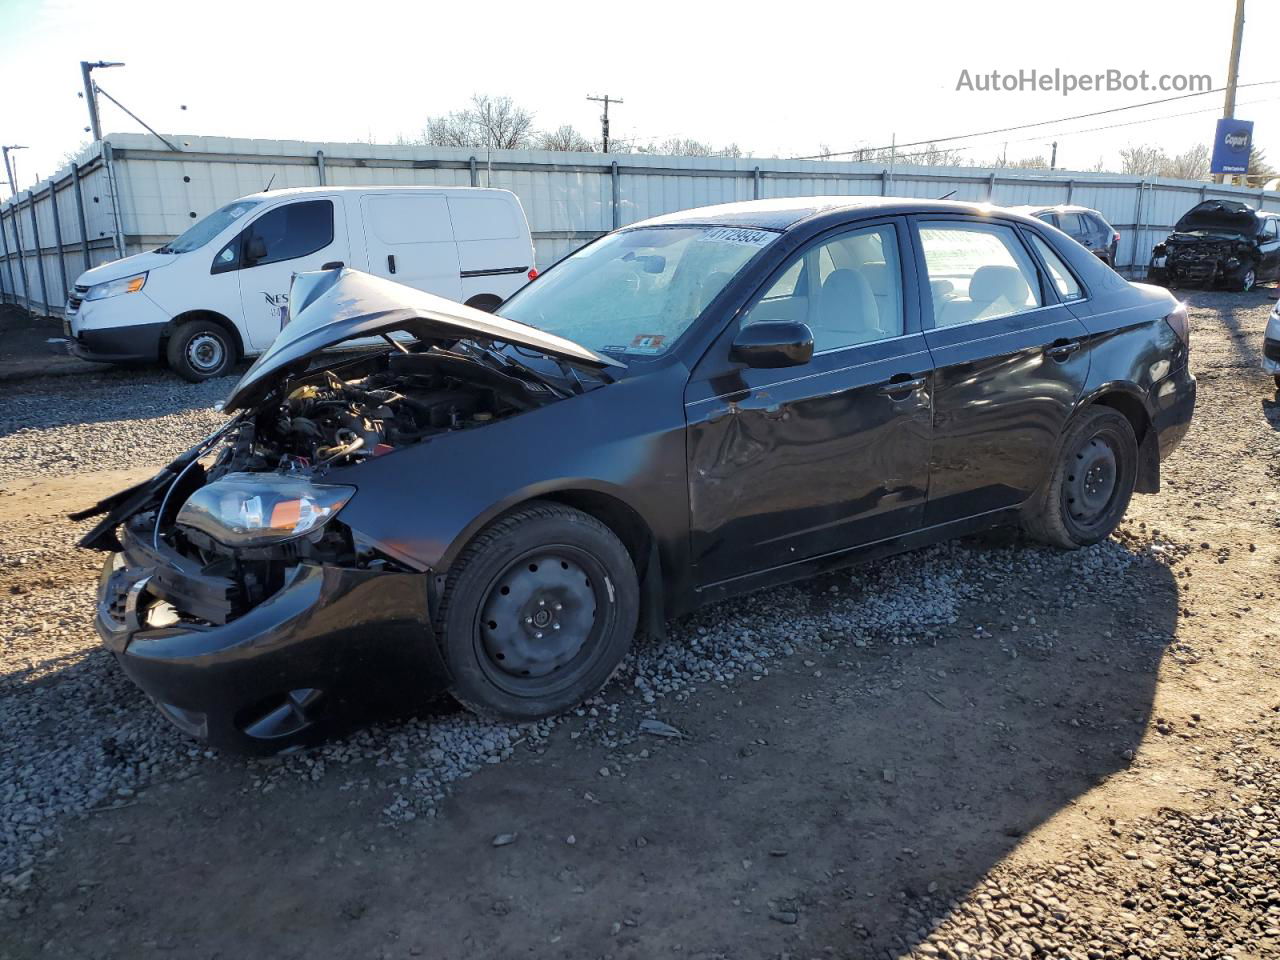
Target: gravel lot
[{"x": 985, "y": 749}]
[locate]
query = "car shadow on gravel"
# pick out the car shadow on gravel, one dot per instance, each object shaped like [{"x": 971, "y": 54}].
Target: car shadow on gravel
[{"x": 839, "y": 807}]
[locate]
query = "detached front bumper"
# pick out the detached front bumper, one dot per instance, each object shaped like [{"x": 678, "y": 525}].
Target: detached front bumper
[{"x": 281, "y": 675}]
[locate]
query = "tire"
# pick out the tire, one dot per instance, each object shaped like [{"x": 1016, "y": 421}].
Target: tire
[
  {"x": 200, "y": 350},
  {"x": 529, "y": 574},
  {"x": 1247, "y": 280},
  {"x": 1075, "y": 509},
  {"x": 485, "y": 301},
  {"x": 1277, "y": 379}
]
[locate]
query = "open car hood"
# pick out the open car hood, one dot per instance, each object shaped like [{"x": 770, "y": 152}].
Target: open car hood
[
  {"x": 327, "y": 307},
  {"x": 1229, "y": 216}
]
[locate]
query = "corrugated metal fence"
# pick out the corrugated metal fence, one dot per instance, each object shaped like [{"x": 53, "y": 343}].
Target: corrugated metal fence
[{"x": 131, "y": 193}]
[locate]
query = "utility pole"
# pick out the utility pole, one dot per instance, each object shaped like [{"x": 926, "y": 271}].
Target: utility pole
[
  {"x": 1053, "y": 158},
  {"x": 1233, "y": 71},
  {"x": 90, "y": 94},
  {"x": 8, "y": 167},
  {"x": 604, "y": 118}
]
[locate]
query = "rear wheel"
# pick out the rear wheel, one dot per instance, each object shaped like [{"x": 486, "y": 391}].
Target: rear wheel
[
  {"x": 537, "y": 613},
  {"x": 199, "y": 350},
  {"x": 1089, "y": 488}
]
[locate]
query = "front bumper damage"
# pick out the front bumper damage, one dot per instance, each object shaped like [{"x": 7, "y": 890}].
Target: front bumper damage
[
  {"x": 333, "y": 641},
  {"x": 1195, "y": 261}
]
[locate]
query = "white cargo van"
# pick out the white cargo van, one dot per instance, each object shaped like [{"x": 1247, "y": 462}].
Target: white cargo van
[{"x": 220, "y": 291}]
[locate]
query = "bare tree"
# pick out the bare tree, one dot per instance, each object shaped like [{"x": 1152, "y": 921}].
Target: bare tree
[
  {"x": 1192, "y": 164},
  {"x": 688, "y": 147},
  {"x": 565, "y": 137},
  {"x": 494, "y": 122},
  {"x": 1144, "y": 161},
  {"x": 1038, "y": 162}
]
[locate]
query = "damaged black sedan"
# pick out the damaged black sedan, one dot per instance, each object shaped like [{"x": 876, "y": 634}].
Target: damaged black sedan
[
  {"x": 410, "y": 493},
  {"x": 1219, "y": 242}
]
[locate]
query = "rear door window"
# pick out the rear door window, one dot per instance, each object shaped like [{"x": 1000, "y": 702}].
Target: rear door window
[
  {"x": 977, "y": 271},
  {"x": 1049, "y": 218},
  {"x": 1071, "y": 224},
  {"x": 1063, "y": 279}
]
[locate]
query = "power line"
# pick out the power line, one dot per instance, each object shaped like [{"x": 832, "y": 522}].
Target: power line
[{"x": 1028, "y": 126}]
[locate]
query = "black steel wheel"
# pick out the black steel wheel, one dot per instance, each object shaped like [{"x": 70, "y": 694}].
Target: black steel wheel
[
  {"x": 1088, "y": 490},
  {"x": 537, "y": 613}
]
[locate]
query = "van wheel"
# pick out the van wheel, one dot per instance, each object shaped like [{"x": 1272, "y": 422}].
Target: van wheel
[
  {"x": 1089, "y": 488},
  {"x": 537, "y": 613},
  {"x": 199, "y": 350},
  {"x": 485, "y": 301}
]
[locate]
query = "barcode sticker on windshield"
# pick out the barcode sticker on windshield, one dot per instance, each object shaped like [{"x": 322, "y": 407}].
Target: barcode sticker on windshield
[{"x": 752, "y": 238}]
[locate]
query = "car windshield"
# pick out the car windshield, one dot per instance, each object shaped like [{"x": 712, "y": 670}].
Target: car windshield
[
  {"x": 205, "y": 230},
  {"x": 633, "y": 293}
]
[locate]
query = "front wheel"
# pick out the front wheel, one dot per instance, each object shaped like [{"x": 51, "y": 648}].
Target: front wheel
[
  {"x": 537, "y": 613},
  {"x": 1088, "y": 490},
  {"x": 1247, "y": 280},
  {"x": 199, "y": 350}
]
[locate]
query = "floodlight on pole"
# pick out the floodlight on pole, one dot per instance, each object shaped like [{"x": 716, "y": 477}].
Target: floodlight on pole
[{"x": 90, "y": 95}]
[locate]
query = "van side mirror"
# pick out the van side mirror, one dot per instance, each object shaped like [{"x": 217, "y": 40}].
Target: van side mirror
[
  {"x": 770, "y": 344},
  {"x": 255, "y": 249}
]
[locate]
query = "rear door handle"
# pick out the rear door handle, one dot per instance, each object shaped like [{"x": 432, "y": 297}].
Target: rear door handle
[
  {"x": 1062, "y": 349},
  {"x": 903, "y": 383},
  {"x": 391, "y": 263}
]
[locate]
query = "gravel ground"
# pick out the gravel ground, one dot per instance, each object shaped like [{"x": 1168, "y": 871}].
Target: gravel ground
[{"x": 1179, "y": 860}]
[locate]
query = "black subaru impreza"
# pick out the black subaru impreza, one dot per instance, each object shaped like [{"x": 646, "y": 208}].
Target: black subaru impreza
[{"x": 409, "y": 492}]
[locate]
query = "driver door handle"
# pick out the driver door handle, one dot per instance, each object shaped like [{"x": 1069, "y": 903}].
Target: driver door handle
[
  {"x": 1062, "y": 349},
  {"x": 903, "y": 383},
  {"x": 391, "y": 263}
]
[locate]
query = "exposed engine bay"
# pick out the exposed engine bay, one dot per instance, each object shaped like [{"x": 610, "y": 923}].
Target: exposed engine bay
[{"x": 371, "y": 407}]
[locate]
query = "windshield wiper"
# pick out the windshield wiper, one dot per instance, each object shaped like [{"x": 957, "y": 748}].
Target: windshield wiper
[{"x": 507, "y": 363}]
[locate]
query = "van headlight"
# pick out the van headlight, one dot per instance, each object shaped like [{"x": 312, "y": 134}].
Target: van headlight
[
  {"x": 100, "y": 291},
  {"x": 255, "y": 509}
]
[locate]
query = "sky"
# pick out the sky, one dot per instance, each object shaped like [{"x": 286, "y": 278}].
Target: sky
[{"x": 777, "y": 79}]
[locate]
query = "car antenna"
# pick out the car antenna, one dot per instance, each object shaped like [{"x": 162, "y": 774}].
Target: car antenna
[
  {"x": 947, "y": 196},
  {"x": 273, "y": 180}
]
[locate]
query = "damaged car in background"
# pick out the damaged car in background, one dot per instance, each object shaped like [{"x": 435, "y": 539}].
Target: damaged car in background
[
  {"x": 1219, "y": 242},
  {"x": 411, "y": 495}
]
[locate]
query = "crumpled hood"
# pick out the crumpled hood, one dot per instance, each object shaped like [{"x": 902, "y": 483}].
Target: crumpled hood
[
  {"x": 118, "y": 269},
  {"x": 327, "y": 307}
]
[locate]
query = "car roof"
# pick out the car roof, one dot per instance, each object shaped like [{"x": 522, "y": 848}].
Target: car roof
[
  {"x": 781, "y": 213},
  {"x": 1031, "y": 209},
  {"x": 303, "y": 191}
]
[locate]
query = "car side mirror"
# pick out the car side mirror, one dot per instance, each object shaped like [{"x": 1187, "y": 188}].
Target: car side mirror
[
  {"x": 769, "y": 344},
  {"x": 255, "y": 249}
]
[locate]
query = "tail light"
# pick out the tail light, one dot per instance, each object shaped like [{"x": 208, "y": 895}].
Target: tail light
[
  {"x": 533, "y": 273},
  {"x": 1115, "y": 237},
  {"x": 1180, "y": 323}
]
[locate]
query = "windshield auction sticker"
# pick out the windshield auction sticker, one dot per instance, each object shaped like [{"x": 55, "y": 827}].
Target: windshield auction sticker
[
  {"x": 648, "y": 343},
  {"x": 752, "y": 238}
]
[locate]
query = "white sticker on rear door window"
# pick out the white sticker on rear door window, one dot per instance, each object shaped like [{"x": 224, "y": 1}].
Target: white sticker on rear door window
[{"x": 752, "y": 238}]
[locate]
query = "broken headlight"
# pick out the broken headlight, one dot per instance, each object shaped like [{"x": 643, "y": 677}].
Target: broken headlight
[{"x": 254, "y": 509}]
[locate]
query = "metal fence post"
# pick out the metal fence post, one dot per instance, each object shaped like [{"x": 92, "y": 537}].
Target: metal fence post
[
  {"x": 35, "y": 242},
  {"x": 57, "y": 237},
  {"x": 884, "y": 181},
  {"x": 475, "y": 173},
  {"x": 84, "y": 229},
  {"x": 756, "y": 179},
  {"x": 1137, "y": 226},
  {"x": 320, "y": 166},
  {"x": 991, "y": 186},
  {"x": 1071, "y": 189},
  {"x": 617, "y": 208},
  {"x": 1203, "y": 192},
  {"x": 15, "y": 211},
  {"x": 8, "y": 263}
]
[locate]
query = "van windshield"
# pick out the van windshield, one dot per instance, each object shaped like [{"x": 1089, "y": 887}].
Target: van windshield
[
  {"x": 636, "y": 291},
  {"x": 205, "y": 230}
]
